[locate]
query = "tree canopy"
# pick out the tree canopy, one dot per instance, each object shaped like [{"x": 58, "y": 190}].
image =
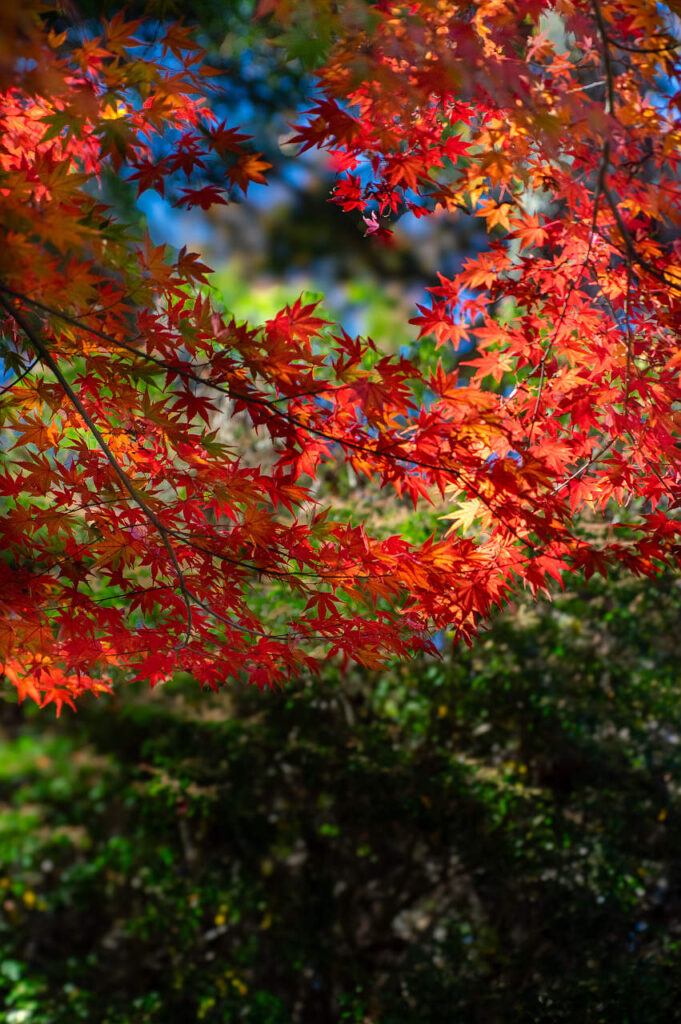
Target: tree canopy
[{"x": 169, "y": 472}]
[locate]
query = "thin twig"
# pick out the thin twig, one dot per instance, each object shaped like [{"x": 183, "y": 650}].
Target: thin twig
[
  {"x": 583, "y": 469},
  {"x": 344, "y": 442},
  {"x": 643, "y": 49},
  {"x": 8, "y": 387},
  {"x": 574, "y": 282},
  {"x": 46, "y": 357},
  {"x": 630, "y": 341}
]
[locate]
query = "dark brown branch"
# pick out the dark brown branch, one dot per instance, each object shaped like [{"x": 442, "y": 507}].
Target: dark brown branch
[
  {"x": 607, "y": 62},
  {"x": 48, "y": 360},
  {"x": 574, "y": 282},
  {"x": 643, "y": 49},
  {"x": 165, "y": 533},
  {"x": 288, "y": 417}
]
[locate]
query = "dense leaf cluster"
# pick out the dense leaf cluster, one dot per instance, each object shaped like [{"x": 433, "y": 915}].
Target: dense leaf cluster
[{"x": 165, "y": 480}]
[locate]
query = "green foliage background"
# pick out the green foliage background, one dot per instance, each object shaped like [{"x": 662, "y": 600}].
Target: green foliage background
[{"x": 491, "y": 838}]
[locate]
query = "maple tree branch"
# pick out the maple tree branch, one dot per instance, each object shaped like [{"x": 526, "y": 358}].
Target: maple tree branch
[
  {"x": 583, "y": 88},
  {"x": 587, "y": 465},
  {"x": 188, "y": 596},
  {"x": 46, "y": 357},
  {"x": 630, "y": 341},
  {"x": 232, "y": 624},
  {"x": 643, "y": 49},
  {"x": 603, "y": 188},
  {"x": 268, "y": 404},
  {"x": 632, "y": 253},
  {"x": 623, "y": 229},
  {"x": 179, "y": 368},
  {"x": 607, "y": 61},
  {"x": 610, "y": 107},
  {"x": 574, "y": 282},
  {"x": 583, "y": 299},
  {"x": 129, "y": 593},
  {"x": 275, "y": 573}
]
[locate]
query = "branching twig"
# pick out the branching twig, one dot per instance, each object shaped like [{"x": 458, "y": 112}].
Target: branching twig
[
  {"x": 630, "y": 341},
  {"x": 20, "y": 377},
  {"x": 344, "y": 442},
  {"x": 587, "y": 465},
  {"x": 574, "y": 283},
  {"x": 46, "y": 357},
  {"x": 643, "y": 49}
]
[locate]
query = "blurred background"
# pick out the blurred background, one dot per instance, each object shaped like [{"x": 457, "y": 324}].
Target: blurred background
[{"x": 489, "y": 838}]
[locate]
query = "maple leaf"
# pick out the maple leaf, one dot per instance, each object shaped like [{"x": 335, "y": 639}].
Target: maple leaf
[
  {"x": 34, "y": 431},
  {"x": 151, "y": 174},
  {"x": 179, "y": 39},
  {"x": 494, "y": 363},
  {"x": 120, "y": 32},
  {"x": 227, "y": 140},
  {"x": 249, "y": 168},
  {"x": 437, "y": 320},
  {"x": 496, "y": 214},
  {"x": 118, "y": 549},
  {"x": 464, "y": 517},
  {"x": 530, "y": 232},
  {"x": 348, "y": 193},
  {"x": 325, "y": 603},
  {"x": 297, "y": 322},
  {"x": 209, "y": 195},
  {"x": 190, "y": 267}
]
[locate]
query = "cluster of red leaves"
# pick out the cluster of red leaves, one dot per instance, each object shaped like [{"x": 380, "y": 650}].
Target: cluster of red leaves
[
  {"x": 558, "y": 124},
  {"x": 134, "y": 536}
]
